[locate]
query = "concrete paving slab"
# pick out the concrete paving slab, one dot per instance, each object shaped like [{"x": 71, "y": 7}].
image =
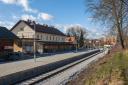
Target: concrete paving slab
[{"x": 13, "y": 67}]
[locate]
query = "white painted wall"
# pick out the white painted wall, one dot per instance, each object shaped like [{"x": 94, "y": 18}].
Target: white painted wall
[
  {"x": 23, "y": 30},
  {"x": 54, "y": 38},
  {"x": 27, "y": 32}
]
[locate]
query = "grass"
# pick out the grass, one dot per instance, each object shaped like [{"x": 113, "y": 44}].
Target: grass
[{"x": 114, "y": 71}]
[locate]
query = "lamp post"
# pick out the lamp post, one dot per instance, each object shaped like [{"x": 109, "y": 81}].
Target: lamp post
[
  {"x": 90, "y": 44},
  {"x": 22, "y": 44},
  {"x": 34, "y": 40},
  {"x": 76, "y": 46},
  {"x": 97, "y": 44}
]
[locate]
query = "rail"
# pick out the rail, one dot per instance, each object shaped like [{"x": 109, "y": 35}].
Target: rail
[{"x": 58, "y": 67}]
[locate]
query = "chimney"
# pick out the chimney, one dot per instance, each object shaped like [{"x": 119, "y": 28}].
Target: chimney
[
  {"x": 29, "y": 21},
  {"x": 45, "y": 25}
]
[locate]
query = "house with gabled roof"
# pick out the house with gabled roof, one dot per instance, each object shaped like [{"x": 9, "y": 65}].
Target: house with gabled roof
[
  {"x": 48, "y": 38},
  {"x": 9, "y": 42}
]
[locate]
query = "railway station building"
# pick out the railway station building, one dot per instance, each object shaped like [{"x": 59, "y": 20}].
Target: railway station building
[{"x": 47, "y": 38}]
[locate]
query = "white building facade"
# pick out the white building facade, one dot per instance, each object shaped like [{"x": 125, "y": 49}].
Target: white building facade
[{"x": 48, "y": 39}]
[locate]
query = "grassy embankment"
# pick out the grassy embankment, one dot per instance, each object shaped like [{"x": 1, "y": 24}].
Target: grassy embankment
[{"x": 114, "y": 71}]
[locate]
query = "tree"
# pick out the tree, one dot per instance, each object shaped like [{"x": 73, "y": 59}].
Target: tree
[
  {"x": 113, "y": 13},
  {"x": 81, "y": 40},
  {"x": 78, "y": 32}
]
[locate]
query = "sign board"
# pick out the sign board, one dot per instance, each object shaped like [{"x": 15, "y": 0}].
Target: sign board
[{"x": 8, "y": 47}]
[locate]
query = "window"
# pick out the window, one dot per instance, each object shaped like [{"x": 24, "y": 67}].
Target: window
[
  {"x": 62, "y": 39},
  {"x": 49, "y": 37},
  {"x": 21, "y": 29},
  {"x": 56, "y": 38},
  {"x": 41, "y": 37},
  {"x": 37, "y": 36},
  {"x": 53, "y": 38},
  {"x": 46, "y": 37}
]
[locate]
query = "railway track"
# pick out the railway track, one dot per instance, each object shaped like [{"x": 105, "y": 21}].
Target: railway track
[{"x": 58, "y": 67}]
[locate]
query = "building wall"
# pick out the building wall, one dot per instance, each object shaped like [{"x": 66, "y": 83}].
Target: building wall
[
  {"x": 27, "y": 45},
  {"x": 50, "y": 37},
  {"x": 6, "y": 45},
  {"x": 110, "y": 40},
  {"x": 23, "y": 30},
  {"x": 71, "y": 40},
  {"x": 17, "y": 47}
]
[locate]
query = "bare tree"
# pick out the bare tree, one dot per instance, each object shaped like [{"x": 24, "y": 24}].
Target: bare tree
[
  {"x": 113, "y": 13},
  {"x": 79, "y": 33}
]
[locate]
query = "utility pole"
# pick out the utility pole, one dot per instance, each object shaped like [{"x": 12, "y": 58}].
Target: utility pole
[{"x": 34, "y": 40}]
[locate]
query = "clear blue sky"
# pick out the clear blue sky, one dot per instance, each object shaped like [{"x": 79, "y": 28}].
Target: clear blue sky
[{"x": 61, "y": 13}]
